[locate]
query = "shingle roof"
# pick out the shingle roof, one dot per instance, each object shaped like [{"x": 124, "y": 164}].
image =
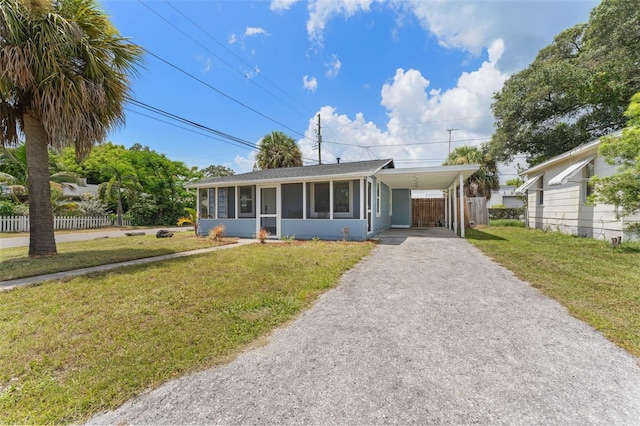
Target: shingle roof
[{"x": 287, "y": 173}]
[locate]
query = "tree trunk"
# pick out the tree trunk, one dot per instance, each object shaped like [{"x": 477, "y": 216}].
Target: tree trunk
[{"x": 42, "y": 241}]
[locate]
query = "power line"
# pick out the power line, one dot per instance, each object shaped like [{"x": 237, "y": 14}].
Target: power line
[
  {"x": 241, "y": 60},
  {"x": 223, "y": 61}
]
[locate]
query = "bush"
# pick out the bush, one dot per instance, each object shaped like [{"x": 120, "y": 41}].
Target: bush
[
  {"x": 6, "y": 208},
  {"x": 506, "y": 213}
]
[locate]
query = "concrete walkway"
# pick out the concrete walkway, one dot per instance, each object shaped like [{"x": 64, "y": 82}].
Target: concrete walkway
[
  {"x": 23, "y": 282},
  {"x": 426, "y": 330}
]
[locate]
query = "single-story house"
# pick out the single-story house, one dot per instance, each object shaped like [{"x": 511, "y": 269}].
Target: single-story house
[
  {"x": 557, "y": 190},
  {"x": 505, "y": 196},
  {"x": 356, "y": 200}
]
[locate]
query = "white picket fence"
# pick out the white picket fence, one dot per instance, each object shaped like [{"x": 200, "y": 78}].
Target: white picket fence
[{"x": 21, "y": 223}]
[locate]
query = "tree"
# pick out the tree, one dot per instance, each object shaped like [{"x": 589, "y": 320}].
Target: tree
[
  {"x": 63, "y": 80},
  {"x": 217, "y": 171},
  {"x": 622, "y": 189},
  {"x": 278, "y": 150},
  {"x": 485, "y": 180},
  {"x": 575, "y": 90},
  {"x": 122, "y": 185}
]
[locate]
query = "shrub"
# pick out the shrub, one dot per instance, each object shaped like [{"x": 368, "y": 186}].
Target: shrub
[
  {"x": 262, "y": 236},
  {"x": 217, "y": 232},
  {"x": 506, "y": 213}
]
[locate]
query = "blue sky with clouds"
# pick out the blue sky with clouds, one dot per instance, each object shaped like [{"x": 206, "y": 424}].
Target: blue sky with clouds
[{"x": 388, "y": 78}]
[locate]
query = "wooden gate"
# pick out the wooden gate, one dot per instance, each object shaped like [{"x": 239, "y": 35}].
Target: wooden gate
[
  {"x": 427, "y": 212},
  {"x": 477, "y": 211}
]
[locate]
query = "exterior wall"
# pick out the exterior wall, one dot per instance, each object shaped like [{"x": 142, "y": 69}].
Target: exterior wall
[
  {"x": 382, "y": 221},
  {"x": 564, "y": 208},
  {"x": 324, "y": 229},
  {"x": 401, "y": 214},
  {"x": 242, "y": 228}
]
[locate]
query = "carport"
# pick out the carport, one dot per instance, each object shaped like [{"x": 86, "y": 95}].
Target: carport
[{"x": 441, "y": 178}]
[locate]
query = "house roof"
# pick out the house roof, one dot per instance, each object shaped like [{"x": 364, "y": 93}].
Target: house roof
[
  {"x": 577, "y": 153},
  {"x": 357, "y": 168},
  {"x": 418, "y": 178}
]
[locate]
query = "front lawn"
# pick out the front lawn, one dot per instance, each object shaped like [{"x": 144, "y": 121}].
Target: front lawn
[
  {"x": 83, "y": 254},
  {"x": 597, "y": 283},
  {"x": 70, "y": 349}
]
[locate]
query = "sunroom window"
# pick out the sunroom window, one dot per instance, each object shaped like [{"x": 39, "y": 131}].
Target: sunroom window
[{"x": 246, "y": 201}]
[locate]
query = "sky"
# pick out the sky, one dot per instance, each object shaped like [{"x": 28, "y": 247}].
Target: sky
[{"x": 388, "y": 79}]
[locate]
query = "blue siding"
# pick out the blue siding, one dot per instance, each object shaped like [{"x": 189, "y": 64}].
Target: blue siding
[
  {"x": 401, "y": 208},
  {"x": 324, "y": 229},
  {"x": 242, "y": 228}
]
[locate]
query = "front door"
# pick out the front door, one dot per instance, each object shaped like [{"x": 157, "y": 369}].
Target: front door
[{"x": 268, "y": 213}]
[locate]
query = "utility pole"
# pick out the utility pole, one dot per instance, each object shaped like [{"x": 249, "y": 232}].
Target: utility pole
[
  {"x": 450, "y": 130},
  {"x": 319, "y": 142}
]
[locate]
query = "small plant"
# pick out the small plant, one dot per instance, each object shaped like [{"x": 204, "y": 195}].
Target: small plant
[
  {"x": 289, "y": 238},
  {"x": 191, "y": 218},
  {"x": 217, "y": 232},
  {"x": 315, "y": 239},
  {"x": 262, "y": 236}
]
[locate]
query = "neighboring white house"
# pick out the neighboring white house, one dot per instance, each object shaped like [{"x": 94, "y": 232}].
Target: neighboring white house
[
  {"x": 557, "y": 191},
  {"x": 505, "y": 196}
]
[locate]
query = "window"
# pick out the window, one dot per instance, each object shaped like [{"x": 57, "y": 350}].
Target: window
[
  {"x": 222, "y": 203},
  {"x": 390, "y": 202},
  {"x": 212, "y": 202},
  {"x": 320, "y": 199},
  {"x": 204, "y": 204},
  {"x": 378, "y": 187},
  {"x": 342, "y": 198},
  {"x": 540, "y": 192},
  {"x": 246, "y": 201},
  {"x": 589, "y": 172}
]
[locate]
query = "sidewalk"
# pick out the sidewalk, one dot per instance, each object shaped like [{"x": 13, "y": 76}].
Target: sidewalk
[{"x": 22, "y": 282}]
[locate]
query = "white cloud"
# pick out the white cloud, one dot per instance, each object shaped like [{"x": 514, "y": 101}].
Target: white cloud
[
  {"x": 281, "y": 4},
  {"x": 334, "y": 67},
  {"x": 415, "y": 133},
  {"x": 321, "y": 11},
  {"x": 470, "y": 26},
  {"x": 252, "y": 31},
  {"x": 310, "y": 84},
  {"x": 245, "y": 164},
  {"x": 232, "y": 39}
]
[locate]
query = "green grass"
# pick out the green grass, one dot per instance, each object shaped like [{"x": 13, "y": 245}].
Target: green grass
[
  {"x": 70, "y": 349},
  {"x": 82, "y": 254},
  {"x": 507, "y": 222},
  {"x": 597, "y": 283}
]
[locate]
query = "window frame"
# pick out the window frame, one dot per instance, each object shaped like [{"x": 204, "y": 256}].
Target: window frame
[
  {"x": 378, "y": 199},
  {"x": 252, "y": 202}
]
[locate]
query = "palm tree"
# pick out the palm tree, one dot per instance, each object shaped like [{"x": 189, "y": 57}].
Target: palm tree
[
  {"x": 123, "y": 184},
  {"x": 63, "y": 80},
  {"x": 278, "y": 150},
  {"x": 486, "y": 179}
]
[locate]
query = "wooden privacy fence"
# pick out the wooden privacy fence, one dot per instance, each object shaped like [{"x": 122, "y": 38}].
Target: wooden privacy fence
[
  {"x": 21, "y": 223},
  {"x": 476, "y": 211},
  {"x": 427, "y": 212}
]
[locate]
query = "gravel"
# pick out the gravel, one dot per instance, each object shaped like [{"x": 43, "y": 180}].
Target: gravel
[{"x": 426, "y": 330}]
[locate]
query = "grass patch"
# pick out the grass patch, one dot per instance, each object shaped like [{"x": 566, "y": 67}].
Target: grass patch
[
  {"x": 82, "y": 254},
  {"x": 507, "y": 222},
  {"x": 74, "y": 348},
  {"x": 83, "y": 231},
  {"x": 597, "y": 283}
]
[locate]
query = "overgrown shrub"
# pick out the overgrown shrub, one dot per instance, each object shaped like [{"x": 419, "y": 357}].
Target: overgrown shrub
[
  {"x": 506, "y": 213},
  {"x": 217, "y": 232}
]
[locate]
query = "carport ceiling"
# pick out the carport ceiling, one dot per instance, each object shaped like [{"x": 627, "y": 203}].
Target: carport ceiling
[{"x": 425, "y": 178}]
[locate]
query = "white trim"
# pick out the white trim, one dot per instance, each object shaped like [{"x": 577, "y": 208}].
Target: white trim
[
  {"x": 363, "y": 212},
  {"x": 378, "y": 198},
  {"x": 528, "y": 184},
  {"x": 461, "y": 206},
  {"x": 564, "y": 176},
  {"x": 401, "y": 226}
]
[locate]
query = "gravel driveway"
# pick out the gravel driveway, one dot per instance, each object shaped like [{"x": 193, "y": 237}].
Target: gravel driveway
[{"x": 426, "y": 330}]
